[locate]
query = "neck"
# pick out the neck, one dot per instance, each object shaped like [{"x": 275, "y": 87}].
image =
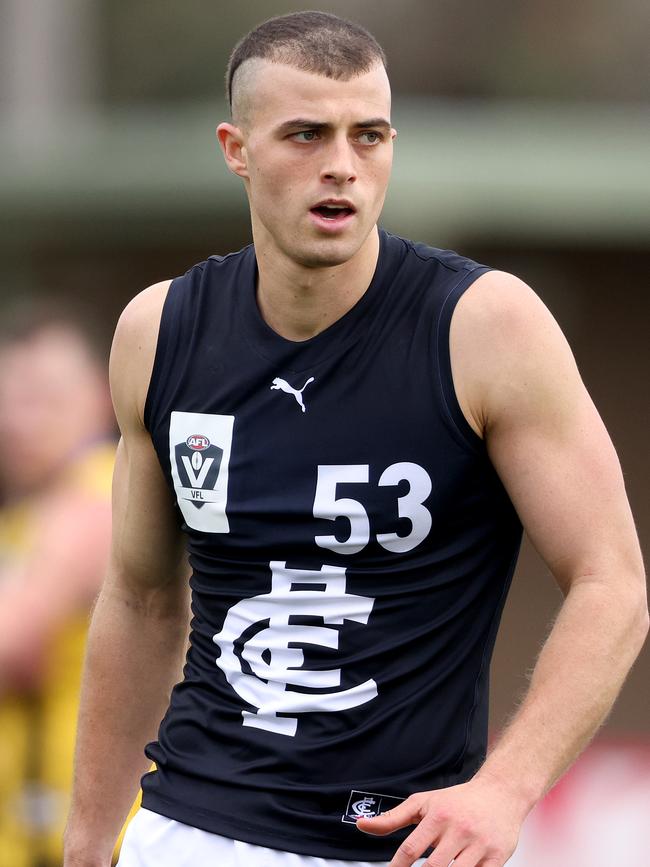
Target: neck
[{"x": 299, "y": 302}]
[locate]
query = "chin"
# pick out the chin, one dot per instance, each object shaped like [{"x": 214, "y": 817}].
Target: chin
[{"x": 326, "y": 253}]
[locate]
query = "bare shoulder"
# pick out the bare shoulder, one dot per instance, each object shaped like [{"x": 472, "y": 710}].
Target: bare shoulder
[
  {"x": 520, "y": 388},
  {"x": 508, "y": 352},
  {"x": 496, "y": 294},
  {"x": 133, "y": 351}
]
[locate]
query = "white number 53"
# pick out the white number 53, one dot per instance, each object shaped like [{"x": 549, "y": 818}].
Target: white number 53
[{"x": 328, "y": 506}]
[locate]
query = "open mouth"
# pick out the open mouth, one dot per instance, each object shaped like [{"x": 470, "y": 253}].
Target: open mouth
[{"x": 332, "y": 212}]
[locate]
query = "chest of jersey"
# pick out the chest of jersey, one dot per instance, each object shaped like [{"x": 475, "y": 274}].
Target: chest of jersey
[
  {"x": 351, "y": 548},
  {"x": 341, "y": 445}
]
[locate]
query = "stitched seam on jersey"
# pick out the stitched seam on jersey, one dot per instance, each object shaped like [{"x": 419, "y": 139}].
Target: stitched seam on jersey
[
  {"x": 473, "y": 446},
  {"x": 218, "y": 258},
  {"x": 160, "y": 358},
  {"x": 437, "y": 259},
  {"x": 162, "y": 342}
]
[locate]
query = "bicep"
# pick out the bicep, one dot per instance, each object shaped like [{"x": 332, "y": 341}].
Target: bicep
[
  {"x": 148, "y": 547},
  {"x": 562, "y": 473},
  {"x": 148, "y": 550},
  {"x": 545, "y": 436}
]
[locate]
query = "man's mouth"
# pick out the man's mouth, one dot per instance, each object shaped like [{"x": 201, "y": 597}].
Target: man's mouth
[{"x": 333, "y": 211}]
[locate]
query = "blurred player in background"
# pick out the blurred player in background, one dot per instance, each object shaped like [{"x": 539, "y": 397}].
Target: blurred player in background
[{"x": 56, "y": 458}]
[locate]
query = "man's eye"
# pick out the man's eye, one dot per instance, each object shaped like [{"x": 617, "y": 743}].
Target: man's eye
[
  {"x": 305, "y": 135},
  {"x": 370, "y": 137}
]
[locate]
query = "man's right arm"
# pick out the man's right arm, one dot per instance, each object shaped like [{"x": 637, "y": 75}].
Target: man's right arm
[{"x": 139, "y": 626}]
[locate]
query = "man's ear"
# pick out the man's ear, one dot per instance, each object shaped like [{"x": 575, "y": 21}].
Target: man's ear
[{"x": 231, "y": 141}]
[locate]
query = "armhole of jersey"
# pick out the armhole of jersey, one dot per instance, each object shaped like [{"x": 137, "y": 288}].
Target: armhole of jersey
[
  {"x": 455, "y": 415},
  {"x": 160, "y": 357}
]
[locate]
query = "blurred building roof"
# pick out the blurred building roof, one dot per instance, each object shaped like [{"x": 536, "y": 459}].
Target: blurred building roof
[{"x": 481, "y": 169}]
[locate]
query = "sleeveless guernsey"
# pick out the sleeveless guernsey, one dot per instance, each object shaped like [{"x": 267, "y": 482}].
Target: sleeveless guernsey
[{"x": 351, "y": 548}]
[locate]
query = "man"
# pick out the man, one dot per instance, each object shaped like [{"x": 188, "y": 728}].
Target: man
[
  {"x": 56, "y": 461},
  {"x": 338, "y": 414}
]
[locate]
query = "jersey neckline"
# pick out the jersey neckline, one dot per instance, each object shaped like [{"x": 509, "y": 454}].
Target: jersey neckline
[{"x": 299, "y": 355}]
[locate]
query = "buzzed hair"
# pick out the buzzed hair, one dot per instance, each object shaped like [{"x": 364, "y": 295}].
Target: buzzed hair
[{"x": 312, "y": 41}]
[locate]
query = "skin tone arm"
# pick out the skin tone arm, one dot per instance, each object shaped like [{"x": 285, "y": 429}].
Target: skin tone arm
[
  {"x": 139, "y": 628},
  {"x": 518, "y": 385},
  {"x": 57, "y": 580}
]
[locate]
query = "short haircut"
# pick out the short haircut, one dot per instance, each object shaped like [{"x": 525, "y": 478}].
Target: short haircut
[{"x": 312, "y": 41}]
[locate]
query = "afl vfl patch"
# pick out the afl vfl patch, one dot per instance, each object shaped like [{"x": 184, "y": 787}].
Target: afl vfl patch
[{"x": 199, "y": 453}]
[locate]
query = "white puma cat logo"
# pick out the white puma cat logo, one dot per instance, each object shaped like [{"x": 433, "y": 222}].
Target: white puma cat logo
[{"x": 283, "y": 385}]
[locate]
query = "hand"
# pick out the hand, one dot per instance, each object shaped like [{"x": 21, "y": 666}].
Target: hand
[{"x": 475, "y": 824}]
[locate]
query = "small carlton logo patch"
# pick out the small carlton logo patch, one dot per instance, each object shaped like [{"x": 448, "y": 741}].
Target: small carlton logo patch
[{"x": 363, "y": 805}]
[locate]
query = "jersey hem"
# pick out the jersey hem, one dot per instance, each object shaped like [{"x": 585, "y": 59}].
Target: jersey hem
[{"x": 205, "y": 820}]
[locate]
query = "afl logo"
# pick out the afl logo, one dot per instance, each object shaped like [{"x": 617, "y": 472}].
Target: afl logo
[{"x": 198, "y": 442}]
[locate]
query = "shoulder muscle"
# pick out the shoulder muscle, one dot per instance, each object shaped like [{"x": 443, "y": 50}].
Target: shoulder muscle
[
  {"x": 508, "y": 352},
  {"x": 133, "y": 351},
  {"x": 519, "y": 384}
]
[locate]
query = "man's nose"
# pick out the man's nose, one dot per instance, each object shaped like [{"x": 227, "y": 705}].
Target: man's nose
[{"x": 339, "y": 166}]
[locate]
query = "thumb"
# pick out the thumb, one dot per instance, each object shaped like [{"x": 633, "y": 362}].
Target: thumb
[{"x": 406, "y": 813}]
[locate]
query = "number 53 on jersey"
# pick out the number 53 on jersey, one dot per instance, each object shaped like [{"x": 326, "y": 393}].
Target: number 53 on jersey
[{"x": 330, "y": 506}]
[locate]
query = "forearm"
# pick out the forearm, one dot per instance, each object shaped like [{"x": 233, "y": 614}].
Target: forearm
[
  {"x": 134, "y": 656},
  {"x": 580, "y": 671}
]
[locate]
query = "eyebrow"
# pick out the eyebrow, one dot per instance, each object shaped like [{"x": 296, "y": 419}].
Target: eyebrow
[{"x": 305, "y": 123}]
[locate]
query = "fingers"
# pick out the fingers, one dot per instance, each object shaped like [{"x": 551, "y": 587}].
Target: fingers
[
  {"x": 457, "y": 827},
  {"x": 472, "y": 857},
  {"x": 406, "y": 813},
  {"x": 449, "y": 847},
  {"x": 415, "y": 844},
  {"x": 442, "y": 856}
]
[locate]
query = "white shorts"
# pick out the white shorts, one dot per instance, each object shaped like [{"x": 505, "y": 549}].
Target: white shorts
[{"x": 156, "y": 841}]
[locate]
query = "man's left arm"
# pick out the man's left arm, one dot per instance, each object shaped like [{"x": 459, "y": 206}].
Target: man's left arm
[{"x": 519, "y": 387}]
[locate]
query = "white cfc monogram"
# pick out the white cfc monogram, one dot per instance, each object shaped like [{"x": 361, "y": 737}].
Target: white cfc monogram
[
  {"x": 261, "y": 668},
  {"x": 273, "y": 664}
]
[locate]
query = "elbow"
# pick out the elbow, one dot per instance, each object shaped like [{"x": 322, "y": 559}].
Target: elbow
[{"x": 625, "y": 603}]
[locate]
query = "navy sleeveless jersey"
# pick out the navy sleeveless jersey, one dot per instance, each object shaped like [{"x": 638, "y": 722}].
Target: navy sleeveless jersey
[{"x": 351, "y": 548}]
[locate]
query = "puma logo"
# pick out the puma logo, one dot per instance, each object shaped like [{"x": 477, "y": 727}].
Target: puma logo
[{"x": 283, "y": 385}]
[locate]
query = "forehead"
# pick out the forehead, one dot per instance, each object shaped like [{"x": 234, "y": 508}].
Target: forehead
[{"x": 276, "y": 93}]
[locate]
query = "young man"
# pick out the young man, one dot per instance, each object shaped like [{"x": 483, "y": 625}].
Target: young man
[{"x": 349, "y": 428}]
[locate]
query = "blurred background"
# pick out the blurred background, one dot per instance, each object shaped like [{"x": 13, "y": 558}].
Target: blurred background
[{"x": 524, "y": 142}]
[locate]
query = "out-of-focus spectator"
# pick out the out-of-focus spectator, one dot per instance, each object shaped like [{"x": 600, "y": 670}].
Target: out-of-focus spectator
[{"x": 56, "y": 456}]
